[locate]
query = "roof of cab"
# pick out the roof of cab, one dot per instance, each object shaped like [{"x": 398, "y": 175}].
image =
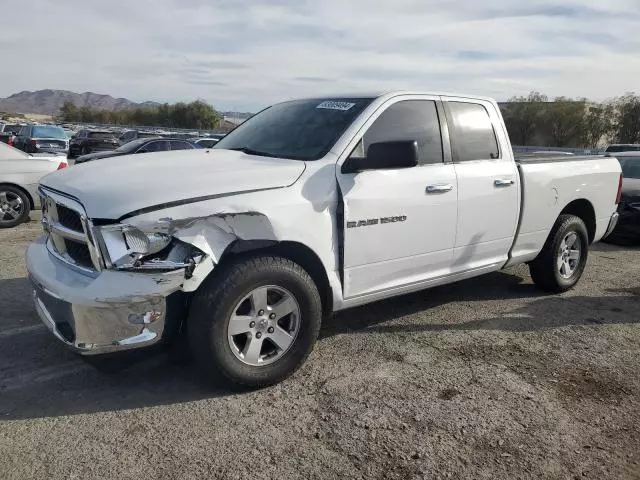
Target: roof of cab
[{"x": 397, "y": 93}]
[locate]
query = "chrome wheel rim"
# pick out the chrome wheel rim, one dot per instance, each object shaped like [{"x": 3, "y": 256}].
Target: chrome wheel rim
[
  {"x": 569, "y": 255},
  {"x": 263, "y": 325},
  {"x": 11, "y": 206}
]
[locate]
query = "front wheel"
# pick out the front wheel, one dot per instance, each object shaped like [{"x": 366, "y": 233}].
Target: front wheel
[
  {"x": 255, "y": 321},
  {"x": 563, "y": 258}
]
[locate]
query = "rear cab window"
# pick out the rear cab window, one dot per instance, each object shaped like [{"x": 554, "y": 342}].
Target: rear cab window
[
  {"x": 472, "y": 133},
  {"x": 46, "y": 131}
]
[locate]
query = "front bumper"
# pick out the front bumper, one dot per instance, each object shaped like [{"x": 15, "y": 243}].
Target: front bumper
[
  {"x": 109, "y": 312},
  {"x": 59, "y": 151}
]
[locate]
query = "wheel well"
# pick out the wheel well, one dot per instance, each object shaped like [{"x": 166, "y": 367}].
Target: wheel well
[
  {"x": 31, "y": 203},
  {"x": 584, "y": 210},
  {"x": 294, "y": 251}
]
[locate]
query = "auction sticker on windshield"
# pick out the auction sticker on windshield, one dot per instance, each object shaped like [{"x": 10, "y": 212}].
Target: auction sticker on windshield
[{"x": 332, "y": 105}]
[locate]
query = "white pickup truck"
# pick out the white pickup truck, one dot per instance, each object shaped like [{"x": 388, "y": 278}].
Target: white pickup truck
[{"x": 309, "y": 207}]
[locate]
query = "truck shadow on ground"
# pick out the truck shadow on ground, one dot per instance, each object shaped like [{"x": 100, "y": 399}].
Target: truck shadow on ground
[
  {"x": 39, "y": 378},
  {"x": 546, "y": 312}
]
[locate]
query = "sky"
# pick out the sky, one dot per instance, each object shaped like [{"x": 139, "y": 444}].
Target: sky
[{"x": 243, "y": 55}]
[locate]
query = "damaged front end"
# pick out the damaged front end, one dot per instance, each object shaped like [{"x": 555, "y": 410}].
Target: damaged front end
[
  {"x": 195, "y": 244},
  {"x": 126, "y": 247},
  {"x": 106, "y": 287}
]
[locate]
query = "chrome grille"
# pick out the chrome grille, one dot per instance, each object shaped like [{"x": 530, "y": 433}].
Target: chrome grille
[
  {"x": 69, "y": 218},
  {"x": 69, "y": 231}
]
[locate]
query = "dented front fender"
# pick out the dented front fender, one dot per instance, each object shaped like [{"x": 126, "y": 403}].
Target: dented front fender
[{"x": 212, "y": 235}]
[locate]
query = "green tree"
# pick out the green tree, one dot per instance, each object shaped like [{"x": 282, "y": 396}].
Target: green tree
[
  {"x": 564, "y": 122},
  {"x": 599, "y": 124},
  {"x": 522, "y": 116},
  {"x": 627, "y": 118},
  {"x": 69, "y": 112},
  {"x": 197, "y": 115}
]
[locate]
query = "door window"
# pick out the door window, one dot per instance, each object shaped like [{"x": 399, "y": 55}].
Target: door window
[
  {"x": 178, "y": 145},
  {"x": 159, "y": 146},
  {"x": 472, "y": 133},
  {"x": 407, "y": 120}
]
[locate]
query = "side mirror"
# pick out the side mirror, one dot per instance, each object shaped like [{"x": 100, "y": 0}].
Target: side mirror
[
  {"x": 385, "y": 155},
  {"x": 142, "y": 151}
]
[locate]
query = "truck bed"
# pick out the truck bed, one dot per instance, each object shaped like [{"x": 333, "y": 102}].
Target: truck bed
[{"x": 549, "y": 184}]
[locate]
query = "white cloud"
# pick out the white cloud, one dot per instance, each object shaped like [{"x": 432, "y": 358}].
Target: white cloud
[{"x": 243, "y": 54}]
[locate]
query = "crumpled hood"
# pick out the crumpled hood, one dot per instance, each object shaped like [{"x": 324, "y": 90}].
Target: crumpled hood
[{"x": 112, "y": 188}]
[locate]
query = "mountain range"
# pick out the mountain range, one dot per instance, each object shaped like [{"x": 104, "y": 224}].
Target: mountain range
[{"x": 49, "y": 102}]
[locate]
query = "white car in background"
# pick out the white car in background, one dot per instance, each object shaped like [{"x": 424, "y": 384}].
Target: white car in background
[{"x": 20, "y": 174}]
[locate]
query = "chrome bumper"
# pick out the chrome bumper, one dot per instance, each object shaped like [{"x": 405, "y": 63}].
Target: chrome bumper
[
  {"x": 111, "y": 312},
  {"x": 612, "y": 224}
]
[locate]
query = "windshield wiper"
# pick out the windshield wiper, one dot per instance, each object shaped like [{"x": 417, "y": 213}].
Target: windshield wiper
[{"x": 251, "y": 151}]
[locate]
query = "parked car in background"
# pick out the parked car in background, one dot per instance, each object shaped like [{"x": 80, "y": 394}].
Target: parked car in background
[
  {"x": 143, "y": 145},
  {"x": 131, "y": 135},
  {"x": 622, "y": 147},
  {"x": 20, "y": 174},
  {"x": 627, "y": 231},
  {"x": 204, "y": 142},
  {"x": 88, "y": 141},
  {"x": 8, "y": 132},
  {"x": 42, "y": 138}
]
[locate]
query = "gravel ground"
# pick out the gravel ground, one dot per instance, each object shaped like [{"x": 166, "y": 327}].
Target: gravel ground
[{"x": 487, "y": 378}]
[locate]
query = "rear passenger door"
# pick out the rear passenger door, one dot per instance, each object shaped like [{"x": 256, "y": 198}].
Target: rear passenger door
[{"x": 488, "y": 186}]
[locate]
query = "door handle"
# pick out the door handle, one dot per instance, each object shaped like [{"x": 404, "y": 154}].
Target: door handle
[
  {"x": 501, "y": 182},
  {"x": 441, "y": 188}
]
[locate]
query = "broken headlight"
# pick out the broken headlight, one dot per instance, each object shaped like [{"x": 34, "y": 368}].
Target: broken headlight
[{"x": 125, "y": 247}]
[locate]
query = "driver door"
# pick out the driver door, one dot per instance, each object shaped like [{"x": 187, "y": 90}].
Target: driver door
[{"x": 400, "y": 224}]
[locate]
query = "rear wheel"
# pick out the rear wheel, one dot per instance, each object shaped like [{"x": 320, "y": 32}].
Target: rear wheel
[
  {"x": 14, "y": 206},
  {"x": 563, "y": 258},
  {"x": 256, "y": 321}
]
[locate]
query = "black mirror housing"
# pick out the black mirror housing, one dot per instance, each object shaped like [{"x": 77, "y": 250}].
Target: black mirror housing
[{"x": 385, "y": 155}]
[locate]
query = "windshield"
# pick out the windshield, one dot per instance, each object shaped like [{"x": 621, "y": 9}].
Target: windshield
[
  {"x": 132, "y": 145},
  {"x": 48, "y": 132},
  {"x": 622, "y": 148},
  {"x": 12, "y": 128},
  {"x": 630, "y": 167},
  {"x": 300, "y": 129}
]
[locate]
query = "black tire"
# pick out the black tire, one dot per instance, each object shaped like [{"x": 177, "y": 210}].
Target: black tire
[
  {"x": 544, "y": 269},
  {"x": 85, "y": 151},
  {"x": 5, "y": 219},
  {"x": 214, "y": 303}
]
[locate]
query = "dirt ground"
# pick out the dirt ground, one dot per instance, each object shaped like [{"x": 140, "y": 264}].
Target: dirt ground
[{"x": 487, "y": 378}]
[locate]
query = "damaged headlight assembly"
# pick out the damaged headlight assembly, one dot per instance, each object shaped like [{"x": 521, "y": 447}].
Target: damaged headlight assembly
[{"x": 125, "y": 247}]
